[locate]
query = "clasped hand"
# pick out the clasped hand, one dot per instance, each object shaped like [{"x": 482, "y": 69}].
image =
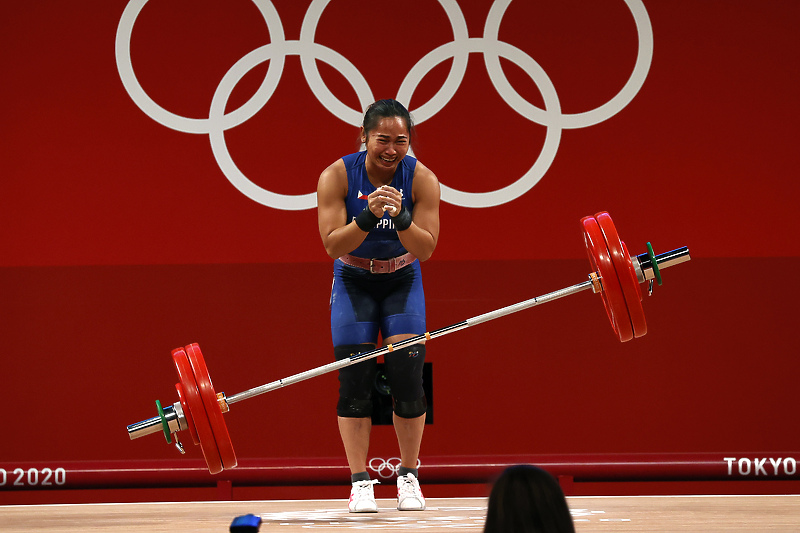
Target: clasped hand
[{"x": 385, "y": 198}]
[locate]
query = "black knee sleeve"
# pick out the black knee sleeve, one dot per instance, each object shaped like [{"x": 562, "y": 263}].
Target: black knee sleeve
[
  {"x": 355, "y": 382},
  {"x": 411, "y": 409},
  {"x": 404, "y": 372}
]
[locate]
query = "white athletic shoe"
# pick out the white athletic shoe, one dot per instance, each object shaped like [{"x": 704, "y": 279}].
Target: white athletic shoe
[
  {"x": 409, "y": 495},
  {"x": 362, "y": 497}
]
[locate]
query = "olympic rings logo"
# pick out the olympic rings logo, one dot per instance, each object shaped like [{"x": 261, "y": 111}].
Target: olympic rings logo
[
  {"x": 387, "y": 468},
  {"x": 310, "y": 52}
]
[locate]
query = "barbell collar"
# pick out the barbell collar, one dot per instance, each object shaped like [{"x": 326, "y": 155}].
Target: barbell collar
[
  {"x": 175, "y": 419},
  {"x": 645, "y": 267}
]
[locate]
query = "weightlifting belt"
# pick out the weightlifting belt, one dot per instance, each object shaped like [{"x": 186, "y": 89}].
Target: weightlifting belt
[{"x": 379, "y": 266}]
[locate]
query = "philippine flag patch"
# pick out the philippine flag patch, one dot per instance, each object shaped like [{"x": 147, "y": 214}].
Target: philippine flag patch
[{"x": 361, "y": 195}]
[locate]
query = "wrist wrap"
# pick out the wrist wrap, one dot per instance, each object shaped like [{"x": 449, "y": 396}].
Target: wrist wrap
[
  {"x": 403, "y": 220},
  {"x": 366, "y": 220}
]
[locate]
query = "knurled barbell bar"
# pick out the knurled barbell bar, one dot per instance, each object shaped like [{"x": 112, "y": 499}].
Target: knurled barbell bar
[{"x": 616, "y": 276}]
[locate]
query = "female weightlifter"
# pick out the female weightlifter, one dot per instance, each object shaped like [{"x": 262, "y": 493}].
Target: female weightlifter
[{"x": 378, "y": 218}]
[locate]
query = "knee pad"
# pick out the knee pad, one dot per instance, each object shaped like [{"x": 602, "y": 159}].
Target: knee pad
[
  {"x": 404, "y": 372},
  {"x": 411, "y": 409},
  {"x": 355, "y": 382}
]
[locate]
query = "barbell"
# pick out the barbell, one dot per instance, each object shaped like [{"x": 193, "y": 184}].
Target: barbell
[{"x": 615, "y": 275}]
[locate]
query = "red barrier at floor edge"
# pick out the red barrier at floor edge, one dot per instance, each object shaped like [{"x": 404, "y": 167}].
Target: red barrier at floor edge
[{"x": 57, "y": 475}]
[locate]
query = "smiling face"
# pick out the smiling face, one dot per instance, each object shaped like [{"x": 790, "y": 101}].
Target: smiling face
[{"x": 387, "y": 143}]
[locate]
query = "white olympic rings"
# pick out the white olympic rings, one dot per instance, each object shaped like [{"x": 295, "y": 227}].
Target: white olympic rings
[
  {"x": 387, "y": 468},
  {"x": 458, "y": 49}
]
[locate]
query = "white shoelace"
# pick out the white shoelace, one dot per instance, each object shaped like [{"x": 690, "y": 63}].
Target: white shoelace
[
  {"x": 364, "y": 488},
  {"x": 408, "y": 486}
]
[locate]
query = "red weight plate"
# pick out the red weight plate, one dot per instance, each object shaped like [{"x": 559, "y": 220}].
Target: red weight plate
[
  {"x": 593, "y": 264},
  {"x": 626, "y": 275},
  {"x": 613, "y": 299},
  {"x": 195, "y": 404},
  {"x": 187, "y": 414},
  {"x": 595, "y": 268},
  {"x": 209, "y": 396},
  {"x": 638, "y": 285}
]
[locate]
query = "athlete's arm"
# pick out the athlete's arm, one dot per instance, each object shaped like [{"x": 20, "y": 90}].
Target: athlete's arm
[
  {"x": 339, "y": 235},
  {"x": 421, "y": 237}
]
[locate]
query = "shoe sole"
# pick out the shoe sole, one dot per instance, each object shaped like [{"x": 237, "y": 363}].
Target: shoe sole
[{"x": 400, "y": 508}]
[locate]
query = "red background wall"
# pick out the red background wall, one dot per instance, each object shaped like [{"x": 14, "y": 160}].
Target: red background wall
[{"x": 122, "y": 238}]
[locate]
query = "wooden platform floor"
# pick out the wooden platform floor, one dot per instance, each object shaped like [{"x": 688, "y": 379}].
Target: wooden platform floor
[{"x": 600, "y": 514}]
